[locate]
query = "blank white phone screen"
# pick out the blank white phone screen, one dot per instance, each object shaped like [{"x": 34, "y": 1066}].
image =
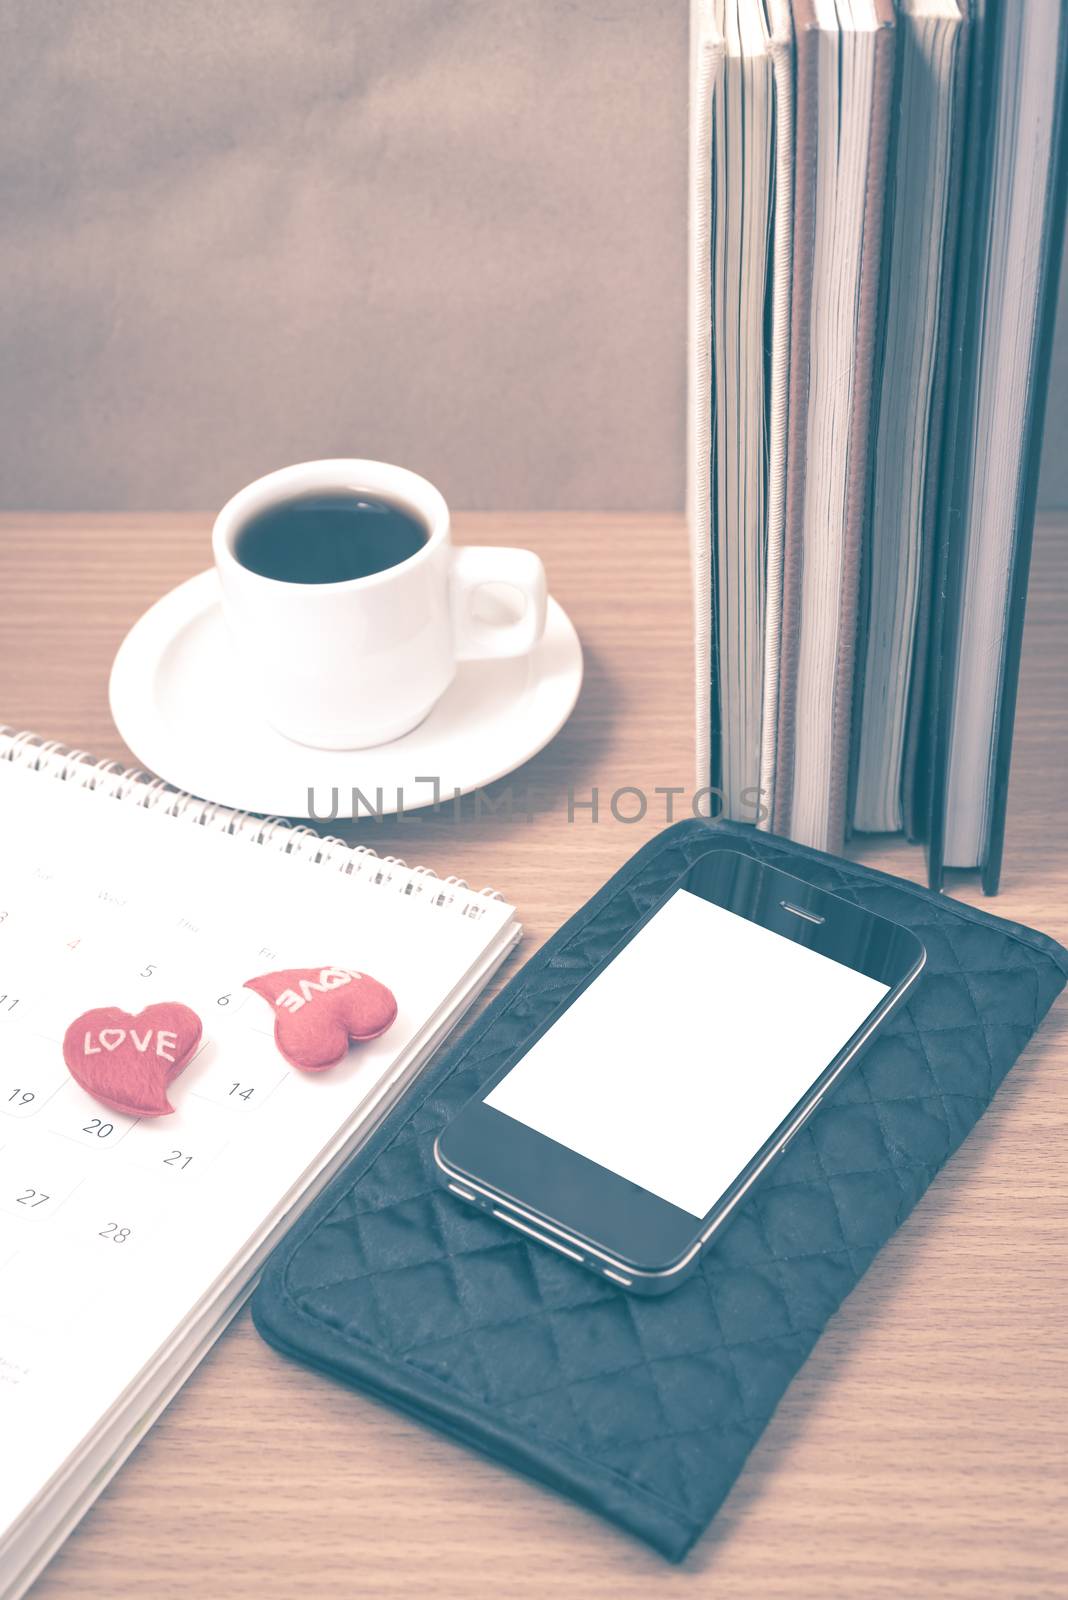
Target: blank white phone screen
[{"x": 680, "y": 1060}]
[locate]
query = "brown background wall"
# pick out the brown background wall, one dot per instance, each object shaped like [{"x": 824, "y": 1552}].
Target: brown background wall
[{"x": 445, "y": 232}]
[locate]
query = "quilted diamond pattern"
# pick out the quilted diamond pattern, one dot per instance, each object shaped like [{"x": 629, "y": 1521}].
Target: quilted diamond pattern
[{"x": 646, "y": 1409}]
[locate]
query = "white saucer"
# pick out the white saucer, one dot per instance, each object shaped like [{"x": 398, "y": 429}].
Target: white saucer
[{"x": 179, "y": 702}]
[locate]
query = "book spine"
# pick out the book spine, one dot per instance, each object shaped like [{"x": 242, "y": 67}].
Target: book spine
[
  {"x": 805, "y": 102},
  {"x": 706, "y": 53},
  {"x": 781, "y": 50},
  {"x": 1045, "y": 318}
]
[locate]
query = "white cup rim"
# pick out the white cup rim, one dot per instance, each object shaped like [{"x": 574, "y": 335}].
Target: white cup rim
[{"x": 333, "y": 476}]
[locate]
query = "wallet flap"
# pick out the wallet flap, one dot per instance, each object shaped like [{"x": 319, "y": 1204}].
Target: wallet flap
[{"x": 645, "y": 1409}]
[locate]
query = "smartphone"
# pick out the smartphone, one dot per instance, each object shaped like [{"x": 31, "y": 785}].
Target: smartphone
[{"x": 625, "y": 1134}]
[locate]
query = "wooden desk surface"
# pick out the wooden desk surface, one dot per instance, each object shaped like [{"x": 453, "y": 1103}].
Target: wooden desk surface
[{"x": 920, "y": 1451}]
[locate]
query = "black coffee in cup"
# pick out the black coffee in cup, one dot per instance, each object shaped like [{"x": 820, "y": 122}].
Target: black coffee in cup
[{"x": 328, "y": 538}]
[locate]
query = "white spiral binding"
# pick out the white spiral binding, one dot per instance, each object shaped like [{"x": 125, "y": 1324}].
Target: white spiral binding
[{"x": 297, "y": 839}]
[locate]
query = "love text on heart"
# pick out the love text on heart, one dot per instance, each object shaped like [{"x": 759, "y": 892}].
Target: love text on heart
[
  {"x": 307, "y": 988},
  {"x": 166, "y": 1042}
]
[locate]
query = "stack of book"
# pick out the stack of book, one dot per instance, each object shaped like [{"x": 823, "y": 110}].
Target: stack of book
[{"x": 877, "y": 214}]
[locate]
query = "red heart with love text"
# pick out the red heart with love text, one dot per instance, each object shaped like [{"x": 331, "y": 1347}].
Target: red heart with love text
[
  {"x": 319, "y": 1009},
  {"x": 126, "y": 1061}
]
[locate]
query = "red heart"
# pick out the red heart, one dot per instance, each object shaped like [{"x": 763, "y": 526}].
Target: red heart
[
  {"x": 319, "y": 1009},
  {"x": 127, "y": 1062}
]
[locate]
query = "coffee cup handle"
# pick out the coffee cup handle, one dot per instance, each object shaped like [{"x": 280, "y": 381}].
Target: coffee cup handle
[{"x": 489, "y": 567}]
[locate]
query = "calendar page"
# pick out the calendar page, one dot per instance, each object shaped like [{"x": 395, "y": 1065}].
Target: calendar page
[{"x": 117, "y": 1233}]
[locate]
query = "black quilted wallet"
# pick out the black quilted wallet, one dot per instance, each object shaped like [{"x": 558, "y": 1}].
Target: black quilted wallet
[{"x": 645, "y": 1409}]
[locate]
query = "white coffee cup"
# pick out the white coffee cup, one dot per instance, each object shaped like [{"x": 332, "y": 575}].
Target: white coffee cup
[{"x": 342, "y": 666}]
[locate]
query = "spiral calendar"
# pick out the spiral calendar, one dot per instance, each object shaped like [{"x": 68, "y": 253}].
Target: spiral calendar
[{"x": 126, "y": 1241}]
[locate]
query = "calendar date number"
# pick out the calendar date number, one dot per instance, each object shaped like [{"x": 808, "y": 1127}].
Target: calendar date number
[{"x": 114, "y": 1233}]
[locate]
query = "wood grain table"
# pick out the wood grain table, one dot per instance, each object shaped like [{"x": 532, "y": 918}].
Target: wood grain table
[{"x": 921, "y": 1450}]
